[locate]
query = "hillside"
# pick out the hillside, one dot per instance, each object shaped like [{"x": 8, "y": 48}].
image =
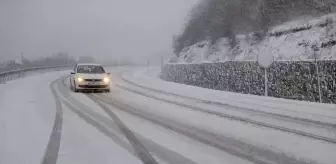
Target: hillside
[{"x": 292, "y": 40}]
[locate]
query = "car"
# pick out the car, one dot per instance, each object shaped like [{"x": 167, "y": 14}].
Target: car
[{"x": 90, "y": 77}]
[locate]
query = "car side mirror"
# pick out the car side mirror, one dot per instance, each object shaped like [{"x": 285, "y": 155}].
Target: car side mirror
[{"x": 72, "y": 73}]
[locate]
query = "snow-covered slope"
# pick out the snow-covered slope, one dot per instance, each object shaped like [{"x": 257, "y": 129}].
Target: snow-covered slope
[{"x": 290, "y": 41}]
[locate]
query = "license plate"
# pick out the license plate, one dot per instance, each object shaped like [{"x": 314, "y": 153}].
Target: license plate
[{"x": 93, "y": 83}]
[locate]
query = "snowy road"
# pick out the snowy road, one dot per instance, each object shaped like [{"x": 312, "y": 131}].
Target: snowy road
[{"x": 146, "y": 120}]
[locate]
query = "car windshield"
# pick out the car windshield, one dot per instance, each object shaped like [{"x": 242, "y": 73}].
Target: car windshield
[{"x": 90, "y": 69}]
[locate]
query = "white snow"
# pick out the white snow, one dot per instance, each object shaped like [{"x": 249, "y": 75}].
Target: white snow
[
  {"x": 309, "y": 110},
  {"x": 277, "y": 141},
  {"x": 317, "y": 130},
  {"x": 28, "y": 109},
  {"x": 198, "y": 152},
  {"x": 82, "y": 98},
  {"x": 195, "y": 53},
  {"x": 292, "y": 46},
  {"x": 83, "y": 144},
  {"x": 26, "y": 117}
]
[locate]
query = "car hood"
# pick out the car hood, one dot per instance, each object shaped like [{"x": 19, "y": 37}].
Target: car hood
[{"x": 91, "y": 76}]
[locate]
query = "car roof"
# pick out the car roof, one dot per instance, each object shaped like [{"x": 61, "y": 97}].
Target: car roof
[{"x": 88, "y": 64}]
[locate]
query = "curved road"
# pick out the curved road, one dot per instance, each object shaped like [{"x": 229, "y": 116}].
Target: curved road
[{"x": 140, "y": 124}]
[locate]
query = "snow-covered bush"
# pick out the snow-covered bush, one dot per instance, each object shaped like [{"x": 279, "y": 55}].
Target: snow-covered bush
[
  {"x": 287, "y": 79},
  {"x": 289, "y": 41}
]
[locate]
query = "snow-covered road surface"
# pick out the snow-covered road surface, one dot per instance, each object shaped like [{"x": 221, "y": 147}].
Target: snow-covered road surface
[{"x": 147, "y": 120}]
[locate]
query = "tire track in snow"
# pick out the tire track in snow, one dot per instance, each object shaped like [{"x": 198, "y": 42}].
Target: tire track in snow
[
  {"x": 104, "y": 125},
  {"x": 236, "y": 118},
  {"x": 99, "y": 126},
  {"x": 51, "y": 152},
  {"x": 231, "y": 146},
  {"x": 250, "y": 110},
  {"x": 140, "y": 149}
]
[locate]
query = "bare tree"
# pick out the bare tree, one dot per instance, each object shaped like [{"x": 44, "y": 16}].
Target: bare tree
[{"x": 213, "y": 19}]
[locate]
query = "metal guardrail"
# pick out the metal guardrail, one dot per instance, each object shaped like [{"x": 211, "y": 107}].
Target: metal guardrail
[{"x": 14, "y": 74}]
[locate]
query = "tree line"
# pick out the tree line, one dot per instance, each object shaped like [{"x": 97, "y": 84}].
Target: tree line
[{"x": 214, "y": 19}]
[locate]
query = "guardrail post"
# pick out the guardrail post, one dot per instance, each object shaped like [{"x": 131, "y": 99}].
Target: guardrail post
[
  {"x": 315, "y": 49},
  {"x": 266, "y": 83}
]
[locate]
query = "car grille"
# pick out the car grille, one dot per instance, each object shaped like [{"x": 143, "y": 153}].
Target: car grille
[
  {"x": 93, "y": 80},
  {"x": 93, "y": 86}
]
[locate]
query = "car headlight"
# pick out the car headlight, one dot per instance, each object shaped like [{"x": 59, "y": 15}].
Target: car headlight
[
  {"x": 80, "y": 79},
  {"x": 106, "y": 80}
]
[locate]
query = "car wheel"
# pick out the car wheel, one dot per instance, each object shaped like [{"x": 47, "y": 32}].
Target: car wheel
[
  {"x": 107, "y": 90},
  {"x": 71, "y": 86},
  {"x": 75, "y": 90},
  {"x": 74, "y": 87}
]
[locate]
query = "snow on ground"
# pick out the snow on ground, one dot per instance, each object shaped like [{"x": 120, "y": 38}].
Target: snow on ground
[
  {"x": 73, "y": 97},
  {"x": 83, "y": 144},
  {"x": 317, "y": 130},
  {"x": 290, "y": 46},
  {"x": 194, "y": 53},
  {"x": 309, "y": 110},
  {"x": 28, "y": 110},
  {"x": 198, "y": 152},
  {"x": 274, "y": 140},
  {"x": 27, "y": 116}
]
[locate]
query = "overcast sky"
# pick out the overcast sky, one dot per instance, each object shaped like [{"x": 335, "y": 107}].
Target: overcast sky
[{"x": 103, "y": 28}]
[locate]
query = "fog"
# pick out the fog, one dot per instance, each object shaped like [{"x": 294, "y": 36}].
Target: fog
[{"x": 105, "y": 29}]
